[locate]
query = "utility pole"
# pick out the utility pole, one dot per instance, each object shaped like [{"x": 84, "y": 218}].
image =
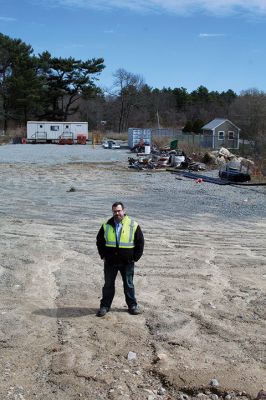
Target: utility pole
[{"x": 158, "y": 119}]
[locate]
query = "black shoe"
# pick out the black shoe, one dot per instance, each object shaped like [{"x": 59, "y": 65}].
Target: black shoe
[
  {"x": 102, "y": 311},
  {"x": 134, "y": 310}
]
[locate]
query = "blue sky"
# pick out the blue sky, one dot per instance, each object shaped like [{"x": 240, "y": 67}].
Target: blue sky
[{"x": 220, "y": 44}]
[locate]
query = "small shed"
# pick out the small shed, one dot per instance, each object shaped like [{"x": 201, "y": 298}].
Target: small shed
[{"x": 219, "y": 133}]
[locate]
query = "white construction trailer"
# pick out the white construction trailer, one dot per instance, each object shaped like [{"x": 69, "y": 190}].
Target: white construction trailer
[{"x": 57, "y": 132}]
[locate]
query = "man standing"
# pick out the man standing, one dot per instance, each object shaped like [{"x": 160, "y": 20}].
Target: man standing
[{"x": 120, "y": 243}]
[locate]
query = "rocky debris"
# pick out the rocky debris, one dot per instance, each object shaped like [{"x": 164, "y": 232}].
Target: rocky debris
[
  {"x": 224, "y": 156},
  {"x": 71, "y": 189},
  {"x": 261, "y": 395},
  {"x": 161, "y": 391},
  {"x": 131, "y": 356},
  {"x": 183, "y": 396},
  {"x": 214, "y": 383}
]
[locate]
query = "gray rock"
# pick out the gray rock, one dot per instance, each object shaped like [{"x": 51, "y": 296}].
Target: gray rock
[
  {"x": 131, "y": 356},
  {"x": 161, "y": 391},
  {"x": 183, "y": 396},
  {"x": 214, "y": 383},
  {"x": 261, "y": 395}
]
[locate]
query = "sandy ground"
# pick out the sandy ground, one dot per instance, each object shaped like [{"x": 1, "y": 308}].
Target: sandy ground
[{"x": 201, "y": 285}]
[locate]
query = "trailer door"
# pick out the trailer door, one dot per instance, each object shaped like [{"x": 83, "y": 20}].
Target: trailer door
[
  {"x": 40, "y": 133},
  {"x": 67, "y": 132}
]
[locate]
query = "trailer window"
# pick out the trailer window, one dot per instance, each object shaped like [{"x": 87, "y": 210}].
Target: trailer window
[{"x": 54, "y": 127}]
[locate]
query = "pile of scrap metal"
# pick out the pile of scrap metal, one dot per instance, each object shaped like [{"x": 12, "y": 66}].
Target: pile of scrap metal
[
  {"x": 141, "y": 163},
  {"x": 164, "y": 159},
  {"x": 139, "y": 147},
  {"x": 179, "y": 160},
  {"x": 154, "y": 160},
  {"x": 232, "y": 169},
  {"x": 233, "y": 172}
]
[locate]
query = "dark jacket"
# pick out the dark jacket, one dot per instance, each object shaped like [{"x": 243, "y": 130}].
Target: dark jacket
[{"x": 115, "y": 254}]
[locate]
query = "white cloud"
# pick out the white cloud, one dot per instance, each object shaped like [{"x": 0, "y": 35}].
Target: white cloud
[
  {"x": 172, "y": 6},
  {"x": 204, "y": 35},
  {"x": 7, "y": 19}
]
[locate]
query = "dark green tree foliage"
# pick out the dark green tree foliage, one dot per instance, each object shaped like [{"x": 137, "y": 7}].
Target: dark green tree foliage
[
  {"x": 182, "y": 98},
  {"x": 200, "y": 96},
  {"x": 67, "y": 80},
  {"x": 26, "y": 92},
  {"x": 188, "y": 127},
  {"x": 193, "y": 126},
  {"x": 197, "y": 125},
  {"x": 19, "y": 85},
  {"x": 42, "y": 87}
]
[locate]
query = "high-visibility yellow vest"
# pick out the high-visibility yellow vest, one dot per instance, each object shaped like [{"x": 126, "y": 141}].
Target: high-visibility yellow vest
[{"x": 128, "y": 230}]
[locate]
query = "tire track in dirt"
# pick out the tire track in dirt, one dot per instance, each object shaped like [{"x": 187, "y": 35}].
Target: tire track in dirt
[
  {"x": 200, "y": 284},
  {"x": 195, "y": 294}
]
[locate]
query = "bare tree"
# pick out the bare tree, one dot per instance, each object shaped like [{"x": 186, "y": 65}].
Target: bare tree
[
  {"x": 127, "y": 87},
  {"x": 249, "y": 113}
]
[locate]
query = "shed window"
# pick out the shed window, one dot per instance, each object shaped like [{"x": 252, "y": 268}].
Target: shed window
[
  {"x": 54, "y": 128},
  {"x": 221, "y": 135},
  {"x": 231, "y": 135}
]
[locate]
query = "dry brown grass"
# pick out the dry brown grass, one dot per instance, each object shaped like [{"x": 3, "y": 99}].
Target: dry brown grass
[
  {"x": 99, "y": 136},
  {"x": 161, "y": 142},
  {"x": 96, "y": 137},
  {"x": 11, "y": 134},
  {"x": 117, "y": 136}
]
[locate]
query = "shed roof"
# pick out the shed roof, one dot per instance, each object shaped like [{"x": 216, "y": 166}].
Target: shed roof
[
  {"x": 217, "y": 122},
  {"x": 214, "y": 123}
]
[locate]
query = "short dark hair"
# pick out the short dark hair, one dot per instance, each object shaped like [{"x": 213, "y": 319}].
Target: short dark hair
[{"x": 118, "y": 203}]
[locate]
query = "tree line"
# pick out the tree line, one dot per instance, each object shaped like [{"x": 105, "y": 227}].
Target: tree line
[
  {"x": 42, "y": 87},
  {"x": 62, "y": 89}
]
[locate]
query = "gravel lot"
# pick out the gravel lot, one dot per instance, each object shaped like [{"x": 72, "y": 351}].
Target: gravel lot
[{"x": 201, "y": 282}]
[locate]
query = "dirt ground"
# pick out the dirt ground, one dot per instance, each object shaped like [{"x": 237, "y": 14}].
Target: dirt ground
[{"x": 200, "y": 284}]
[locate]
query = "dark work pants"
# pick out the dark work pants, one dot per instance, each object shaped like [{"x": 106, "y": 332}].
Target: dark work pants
[{"x": 110, "y": 273}]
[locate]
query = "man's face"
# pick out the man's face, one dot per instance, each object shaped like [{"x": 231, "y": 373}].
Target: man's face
[{"x": 118, "y": 212}]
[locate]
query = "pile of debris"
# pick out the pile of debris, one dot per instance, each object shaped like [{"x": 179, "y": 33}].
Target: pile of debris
[
  {"x": 224, "y": 156},
  {"x": 231, "y": 167},
  {"x": 162, "y": 159},
  {"x": 110, "y": 144}
]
